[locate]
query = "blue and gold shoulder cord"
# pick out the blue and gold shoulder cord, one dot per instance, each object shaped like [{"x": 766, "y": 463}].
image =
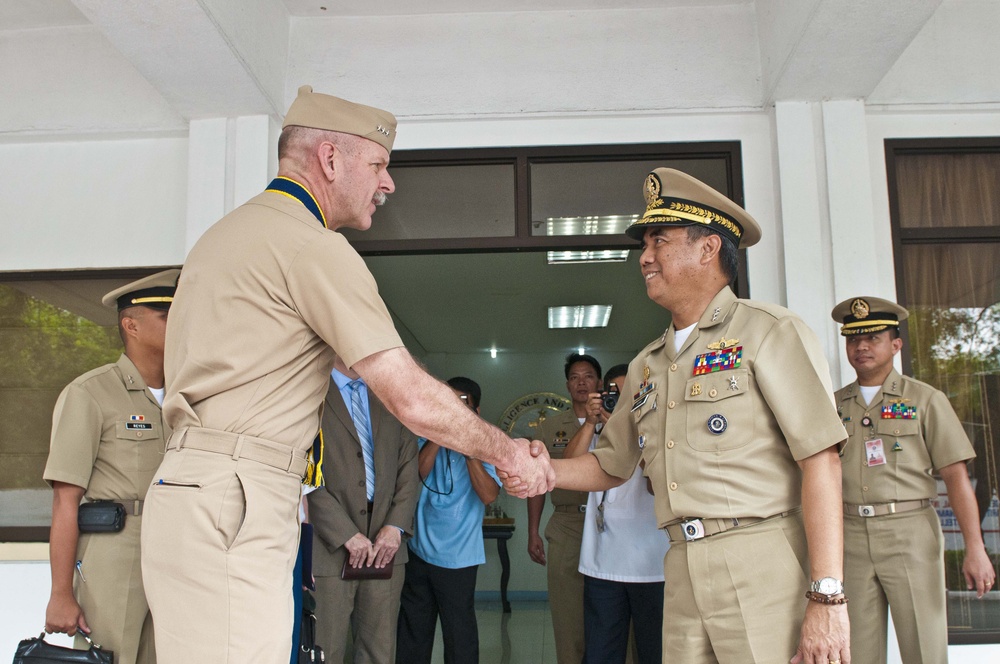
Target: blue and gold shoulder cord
[{"x": 292, "y": 189}]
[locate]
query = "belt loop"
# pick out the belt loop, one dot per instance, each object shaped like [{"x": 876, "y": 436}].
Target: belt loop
[
  {"x": 239, "y": 447},
  {"x": 179, "y": 436}
]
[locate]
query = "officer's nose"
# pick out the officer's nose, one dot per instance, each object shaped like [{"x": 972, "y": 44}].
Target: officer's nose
[{"x": 386, "y": 182}]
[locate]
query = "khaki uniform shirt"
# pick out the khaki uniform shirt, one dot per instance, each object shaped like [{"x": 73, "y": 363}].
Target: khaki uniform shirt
[
  {"x": 915, "y": 443},
  {"x": 266, "y": 298},
  {"x": 107, "y": 434},
  {"x": 556, "y": 432},
  {"x": 773, "y": 409}
]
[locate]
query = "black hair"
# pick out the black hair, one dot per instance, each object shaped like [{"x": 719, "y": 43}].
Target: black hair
[
  {"x": 573, "y": 358},
  {"x": 468, "y": 386},
  {"x": 728, "y": 253},
  {"x": 614, "y": 372}
]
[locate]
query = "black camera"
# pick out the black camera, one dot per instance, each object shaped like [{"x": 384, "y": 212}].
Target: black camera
[{"x": 609, "y": 399}]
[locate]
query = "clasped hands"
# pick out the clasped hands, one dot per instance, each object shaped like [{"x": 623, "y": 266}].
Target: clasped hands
[
  {"x": 362, "y": 552},
  {"x": 529, "y": 472}
]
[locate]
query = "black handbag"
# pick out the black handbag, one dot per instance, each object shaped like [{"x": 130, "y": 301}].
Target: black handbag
[
  {"x": 309, "y": 652},
  {"x": 100, "y": 516},
  {"x": 37, "y": 651}
]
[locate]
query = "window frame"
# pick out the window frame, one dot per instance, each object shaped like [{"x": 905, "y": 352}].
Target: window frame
[{"x": 896, "y": 147}]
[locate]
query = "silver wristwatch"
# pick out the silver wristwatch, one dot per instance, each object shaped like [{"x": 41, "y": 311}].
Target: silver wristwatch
[{"x": 828, "y": 586}]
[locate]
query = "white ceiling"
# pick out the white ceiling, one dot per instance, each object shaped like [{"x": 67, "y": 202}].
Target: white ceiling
[{"x": 83, "y": 68}]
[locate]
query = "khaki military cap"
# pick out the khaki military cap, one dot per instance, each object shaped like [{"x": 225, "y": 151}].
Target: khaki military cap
[
  {"x": 155, "y": 291},
  {"x": 674, "y": 198},
  {"x": 319, "y": 111},
  {"x": 864, "y": 315}
]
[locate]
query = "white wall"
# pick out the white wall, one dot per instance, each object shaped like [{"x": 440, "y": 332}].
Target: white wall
[{"x": 113, "y": 203}]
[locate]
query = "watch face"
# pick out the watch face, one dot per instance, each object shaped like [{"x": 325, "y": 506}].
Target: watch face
[{"x": 828, "y": 586}]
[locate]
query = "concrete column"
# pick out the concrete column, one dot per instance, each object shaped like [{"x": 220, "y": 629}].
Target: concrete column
[
  {"x": 229, "y": 162},
  {"x": 806, "y": 219}
]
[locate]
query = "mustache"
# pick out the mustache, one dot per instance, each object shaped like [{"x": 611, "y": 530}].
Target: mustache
[{"x": 379, "y": 198}]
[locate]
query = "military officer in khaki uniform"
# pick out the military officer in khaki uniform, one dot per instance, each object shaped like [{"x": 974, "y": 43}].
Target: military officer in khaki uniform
[
  {"x": 107, "y": 441},
  {"x": 269, "y": 295},
  {"x": 564, "y": 530},
  {"x": 901, "y": 432},
  {"x": 731, "y": 412}
]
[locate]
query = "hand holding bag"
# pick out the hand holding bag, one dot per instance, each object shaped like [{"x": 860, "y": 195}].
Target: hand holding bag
[{"x": 37, "y": 651}]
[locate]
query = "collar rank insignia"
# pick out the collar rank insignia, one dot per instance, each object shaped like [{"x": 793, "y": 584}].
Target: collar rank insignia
[
  {"x": 719, "y": 360},
  {"x": 897, "y": 410},
  {"x": 723, "y": 344},
  {"x": 715, "y": 314}
]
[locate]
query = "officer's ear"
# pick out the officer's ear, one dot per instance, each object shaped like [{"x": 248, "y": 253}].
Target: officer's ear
[
  {"x": 128, "y": 326},
  {"x": 327, "y": 155},
  {"x": 897, "y": 344},
  {"x": 710, "y": 247}
]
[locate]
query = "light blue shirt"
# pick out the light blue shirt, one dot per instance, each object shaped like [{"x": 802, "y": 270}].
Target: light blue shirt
[
  {"x": 449, "y": 520},
  {"x": 344, "y": 385}
]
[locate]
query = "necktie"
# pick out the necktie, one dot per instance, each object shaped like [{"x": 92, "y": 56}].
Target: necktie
[{"x": 361, "y": 422}]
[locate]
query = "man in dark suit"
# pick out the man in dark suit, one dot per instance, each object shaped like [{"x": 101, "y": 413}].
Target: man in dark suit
[{"x": 360, "y": 516}]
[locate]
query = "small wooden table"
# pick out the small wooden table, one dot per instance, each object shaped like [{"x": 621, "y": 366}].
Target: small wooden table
[{"x": 501, "y": 530}]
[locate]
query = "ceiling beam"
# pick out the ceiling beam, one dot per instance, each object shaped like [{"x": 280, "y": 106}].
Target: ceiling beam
[
  {"x": 208, "y": 58},
  {"x": 833, "y": 49}
]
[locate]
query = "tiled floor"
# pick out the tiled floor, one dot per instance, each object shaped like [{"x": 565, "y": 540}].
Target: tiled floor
[{"x": 523, "y": 636}]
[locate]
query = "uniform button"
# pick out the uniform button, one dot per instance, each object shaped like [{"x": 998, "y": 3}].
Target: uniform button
[
  {"x": 673, "y": 367},
  {"x": 670, "y": 444},
  {"x": 363, "y": 512},
  {"x": 896, "y": 432},
  {"x": 673, "y": 486},
  {"x": 671, "y": 404},
  {"x": 138, "y": 434},
  {"x": 359, "y": 455},
  {"x": 864, "y": 488},
  {"x": 361, "y": 483},
  {"x": 713, "y": 393}
]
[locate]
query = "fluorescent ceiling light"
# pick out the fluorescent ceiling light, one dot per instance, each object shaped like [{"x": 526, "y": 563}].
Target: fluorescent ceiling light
[
  {"x": 579, "y": 316},
  {"x": 614, "y": 224},
  {"x": 601, "y": 256}
]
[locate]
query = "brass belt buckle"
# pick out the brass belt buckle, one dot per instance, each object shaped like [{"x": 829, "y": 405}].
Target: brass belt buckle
[
  {"x": 866, "y": 510},
  {"x": 693, "y": 529}
]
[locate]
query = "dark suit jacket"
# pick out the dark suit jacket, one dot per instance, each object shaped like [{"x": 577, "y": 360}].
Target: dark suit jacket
[{"x": 337, "y": 510}]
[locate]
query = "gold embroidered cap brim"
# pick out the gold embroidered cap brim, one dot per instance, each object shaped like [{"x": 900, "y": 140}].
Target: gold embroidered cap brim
[
  {"x": 319, "y": 111},
  {"x": 866, "y": 315},
  {"x": 674, "y": 198}
]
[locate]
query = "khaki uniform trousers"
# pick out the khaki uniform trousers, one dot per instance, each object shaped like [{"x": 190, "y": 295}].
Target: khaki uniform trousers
[
  {"x": 738, "y": 596},
  {"x": 896, "y": 559},
  {"x": 358, "y": 617},
  {"x": 564, "y": 533},
  {"x": 219, "y": 545},
  {"x": 112, "y": 596}
]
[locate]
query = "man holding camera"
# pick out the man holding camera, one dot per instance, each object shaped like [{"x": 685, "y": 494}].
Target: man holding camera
[{"x": 565, "y": 528}]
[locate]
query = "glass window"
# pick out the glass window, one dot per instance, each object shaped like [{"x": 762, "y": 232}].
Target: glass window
[
  {"x": 946, "y": 209},
  {"x": 466, "y": 201},
  {"x": 603, "y": 197},
  {"x": 50, "y": 333}
]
